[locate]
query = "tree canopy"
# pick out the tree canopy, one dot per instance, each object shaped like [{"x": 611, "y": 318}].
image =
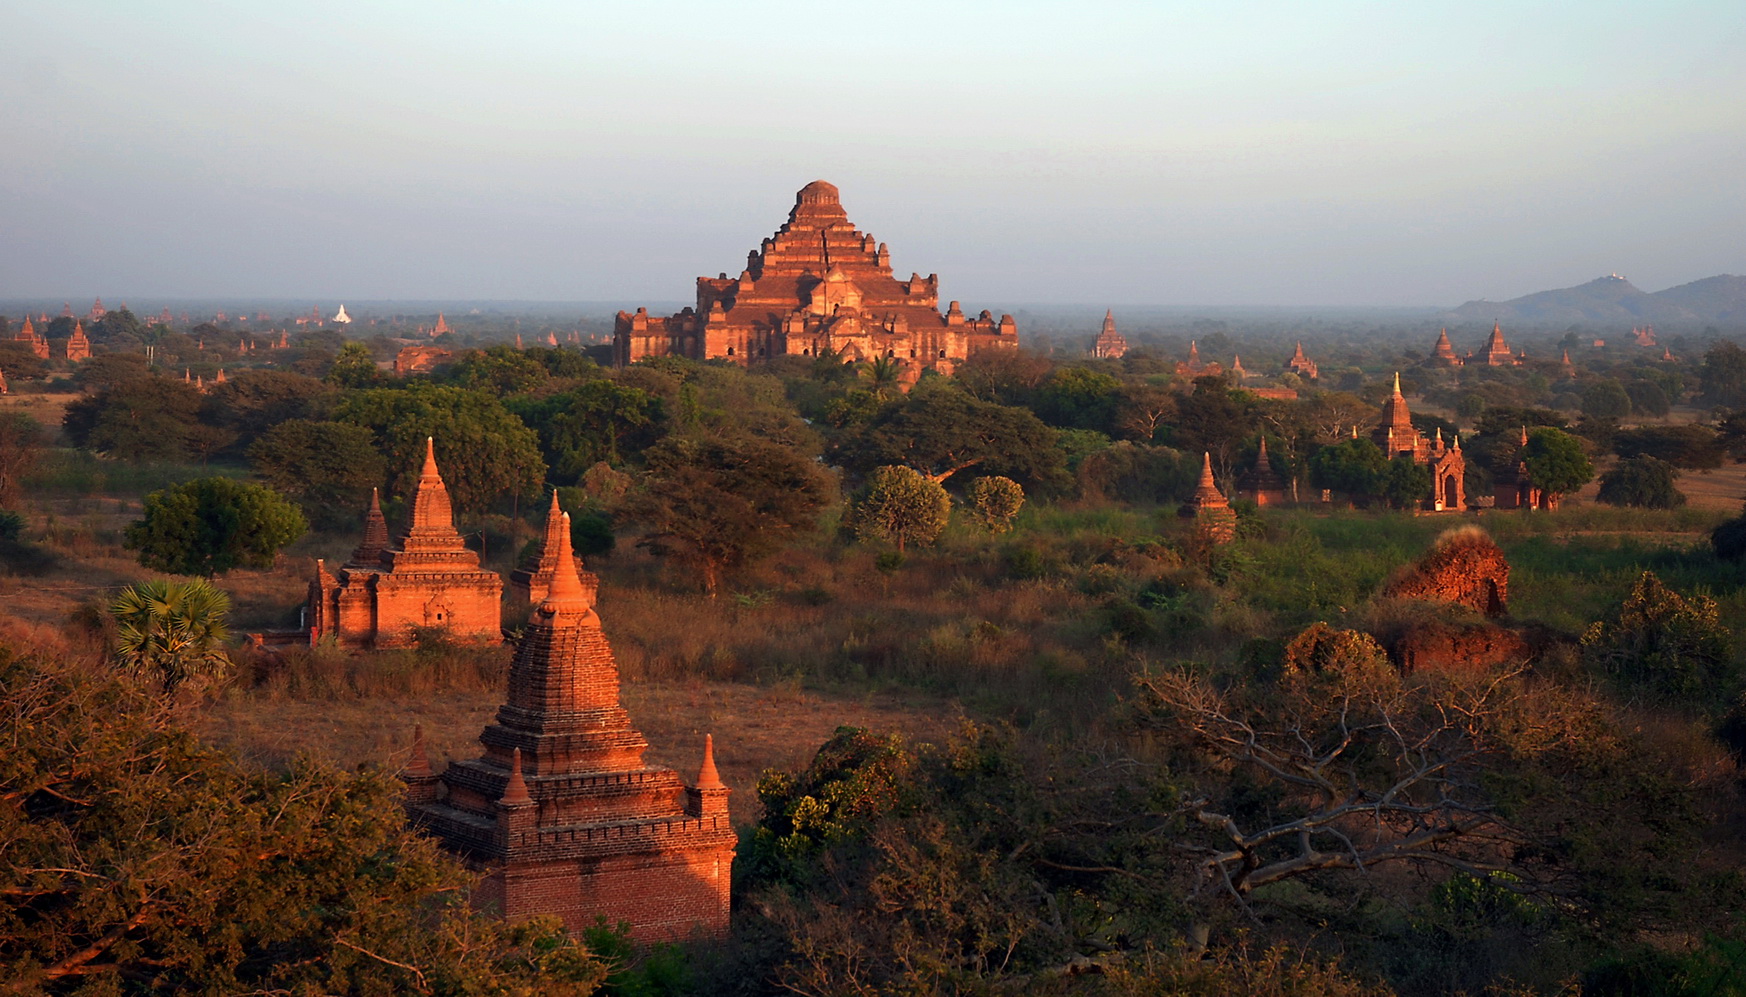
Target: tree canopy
[
  {"x": 940, "y": 430},
  {"x": 485, "y": 452},
  {"x": 208, "y": 526}
]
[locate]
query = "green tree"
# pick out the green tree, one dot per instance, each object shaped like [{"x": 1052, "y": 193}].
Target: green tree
[
  {"x": 995, "y": 502},
  {"x": 1648, "y": 398},
  {"x": 171, "y": 632},
  {"x": 1556, "y": 463},
  {"x": 1722, "y": 381},
  {"x": 141, "y": 420},
  {"x": 899, "y": 505},
  {"x": 354, "y": 367},
  {"x": 485, "y": 452},
  {"x": 1606, "y": 399},
  {"x": 20, "y": 362},
  {"x": 1078, "y": 398},
  {"x": 1729, "y": 539},
  {"x": 1353, "y": 467},
  {"x": 208, "y": 526},
  {"x": 1688, "y": 446},
  {"x": 940, "y": 430},
  {"x": 882, "y": 375},
  {"x": 254, "y": 401},
  {"x": 329, "y": 467},
  {"x": 1407, "y": 483},
  {"x": 1659, "y": 639},
  {"x": 722, "y": 502},
  {"x": 1644, "y": 482},
  {"x": 140, "y": 862},
  {"x": 21, "y": 439},
  {"x": 599, "y": 420},
  {"x": 500, "y": 370}
]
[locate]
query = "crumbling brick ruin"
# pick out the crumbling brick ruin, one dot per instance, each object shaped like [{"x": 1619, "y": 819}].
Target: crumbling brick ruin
[
  {"x": 1463, "y": 567},
  {"x": 561, "y": 812}
]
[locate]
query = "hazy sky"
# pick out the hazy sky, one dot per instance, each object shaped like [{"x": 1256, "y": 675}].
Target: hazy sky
[{"x": 1076, "y": 152}]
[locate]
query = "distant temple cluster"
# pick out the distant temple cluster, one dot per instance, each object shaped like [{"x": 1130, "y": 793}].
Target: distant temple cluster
[
  {"x": 1496, "y": 352},
  {"x": 818, "y": 287},
  {"x": 561, "y": 813}
]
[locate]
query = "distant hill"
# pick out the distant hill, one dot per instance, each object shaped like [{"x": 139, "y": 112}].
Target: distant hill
[{"x": 1613, "y": 300}]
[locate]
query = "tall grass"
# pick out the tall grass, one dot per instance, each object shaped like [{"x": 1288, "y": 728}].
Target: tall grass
[{"x": 65, "y": 471}]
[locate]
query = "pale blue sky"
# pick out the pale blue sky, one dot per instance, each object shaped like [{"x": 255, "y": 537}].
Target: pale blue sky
[{"x": 1234, "y": 153}]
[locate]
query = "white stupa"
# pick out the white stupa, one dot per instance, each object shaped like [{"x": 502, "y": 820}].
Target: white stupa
[{"x": 342, "y": 318}]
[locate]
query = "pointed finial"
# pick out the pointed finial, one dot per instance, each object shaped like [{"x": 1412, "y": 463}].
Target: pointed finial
[
  {"x": 707, "y": 776},
  {"x": 1206, "y": 475},
  {"x": 430, "y": 466},
  {"x": 515, "y": 790},
  {"x": 418, "y": 766},
  {"x": 565, "y": 594},
  {"x": 1397, "y": 384},
  {"x": 375, "y": 499}
]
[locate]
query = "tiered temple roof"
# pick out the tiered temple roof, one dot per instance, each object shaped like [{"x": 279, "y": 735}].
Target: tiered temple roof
[
  {"x": 1263, "y": 485},
  {"x": 385, "y": 593},
  {"x": 1301, "y": 365},
  {"x": 78, "y": 344},
  {"x": 533, "y": 579},
  {"x": 1444, "y": 353},
  {"x": 1497, "y": 352},
  {"x": 1214, "y": 520},
  {"x": 1396, "y": 436},
  {"x": 561, "y": 811},
  {"x": 819, "y": 286},
  {"x": 1110, "y": 344}
]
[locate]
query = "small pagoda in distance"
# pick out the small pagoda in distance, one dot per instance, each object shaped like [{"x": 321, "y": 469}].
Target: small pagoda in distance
[{"x": 1109, "y": 344}]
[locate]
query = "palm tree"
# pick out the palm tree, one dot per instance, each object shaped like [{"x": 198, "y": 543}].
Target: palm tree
[
  {"x": 171, "y": 632},
  {"x": 882, "y": 374}
]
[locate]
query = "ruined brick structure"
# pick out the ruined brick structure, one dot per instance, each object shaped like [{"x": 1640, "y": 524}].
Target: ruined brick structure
[
  {"x": 1195, "y": 367},
  {"x": 817, "y": 287},
  {"x": 1397, "y": 437},
  {"x": 78, "y": 344},
  {"x": 1215, "y": 522},
  {"x": 1262, "y": 484},
  {"x": 1109, "y": 344},
  {"x": 430, "y": 579},
  {"x": 561, "y": 812},
  {"x": 532, "y": 580},
  {"x": 1301, "y": 365},
  {"x": 1463, "y": 567},
  {"x": 1443, "y": 354},
  {"x": 420, "y": 359}
]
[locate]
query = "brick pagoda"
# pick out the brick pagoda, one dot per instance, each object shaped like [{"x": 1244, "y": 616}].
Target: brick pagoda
[
  {"x": 561, "y": 812},
  {"x": 1215, "y": 522},
  {"x": 1497, "y": 352},
  {"x": 1301, "y": 365},
  {"x": 384, "y": 593},
  {"x": 1195, "y": 367},
  {"x": 1109, "y": 344},
  {"x": 817, "y": 287},
  {"x": 1262, "y": 484},
  {"x": 532, "y": 580},
  {"x": 31, "y": 339},
  {"x": 1397, "y": 437},
  {"x": 78, "y": 344},
  {"x": 1443, "y": 354}
]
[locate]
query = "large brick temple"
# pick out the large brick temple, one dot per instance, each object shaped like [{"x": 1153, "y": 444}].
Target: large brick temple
[
  {"x": 386, "y": 592},
  {"x": 561, "y": 812},
  {"x": 1397, "y": 437},
  {"x": 818, "y": 286}
]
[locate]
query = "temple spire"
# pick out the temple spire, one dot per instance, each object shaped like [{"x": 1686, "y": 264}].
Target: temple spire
[
  {"x": 566, "y": 600},
  {"x": 707, "y": 776},
  {"x": 515, "y": 791},
  {"x": 369, "y": 550}
]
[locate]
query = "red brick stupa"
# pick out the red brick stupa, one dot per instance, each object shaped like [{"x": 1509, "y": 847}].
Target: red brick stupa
[
  {"x": 1497, "y": 352},
  {"x": 1214, "y": 520},
  {"x": 78, "y": 344},
  {"x": 1444, "y": 353},
  {"x": 561, "y": 812},
  {"x": 818, "y": 286},
  {"x": 1397, "y": 437},
  {"x": 1301, "y": 365},
  {"x": 384, "y": 594},
  {"x": 533, "y": 579}
]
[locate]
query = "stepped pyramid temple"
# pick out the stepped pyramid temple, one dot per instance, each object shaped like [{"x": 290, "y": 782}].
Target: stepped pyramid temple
[
  {"x": 561, "y": 812},
  {"x": 1195, "y": 367},
  {"x": 31, "y": 339},
  {"x": 1301, "y": 365},
  {"x": 1395, "y": 435},
  {"x": 817, "y": 287},
  {"x": 1109, "y": 345},
  {"x": 1443, "y": 355},
  {"x": 384, "y": 593},
  {"x": 78, "y": 344},
  {"x": 1497, "y": 352}
]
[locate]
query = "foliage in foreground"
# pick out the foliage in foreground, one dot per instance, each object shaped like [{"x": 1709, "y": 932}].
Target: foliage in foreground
[
  {"x": 140, "y": 862},
  {"x": 171, "y": 632}
]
